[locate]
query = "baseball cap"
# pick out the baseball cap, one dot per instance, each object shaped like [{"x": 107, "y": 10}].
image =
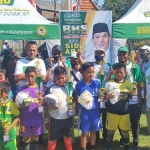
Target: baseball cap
[
  {"x": 97, "y": 50},
  {"x": 73, "y": 55},
  {"x": 57, "y": 48},
  {"x": 145, "y": 47},
  {"x": 123, "y": 49}
]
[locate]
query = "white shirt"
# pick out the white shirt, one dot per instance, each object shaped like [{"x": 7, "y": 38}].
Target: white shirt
[
  {"x": 97, "y": 69},
  {"x": 49, "y": 83},
  {"x": 22, "y": 64},
  {"x": 78, "y": 75},
  {"x": 61, "y": 93},
  {"x": 147, "y": 73}
]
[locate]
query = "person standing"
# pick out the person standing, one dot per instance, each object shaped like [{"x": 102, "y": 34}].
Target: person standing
[
  {"x": 134, "y": 110},
  {"x": 30, "y": 60}
]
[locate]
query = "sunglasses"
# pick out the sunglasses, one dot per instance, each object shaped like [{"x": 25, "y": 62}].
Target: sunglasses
[{"x": 122, "y": 54}]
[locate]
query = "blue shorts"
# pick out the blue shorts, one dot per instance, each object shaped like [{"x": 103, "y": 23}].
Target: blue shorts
[{"x": 89, "y": 120}]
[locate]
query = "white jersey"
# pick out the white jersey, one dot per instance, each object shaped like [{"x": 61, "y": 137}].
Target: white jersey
[
  {"x": 147, "y": 74},
  {"x": 61, "y": 93},
  {"x": 22, "y": 64}
]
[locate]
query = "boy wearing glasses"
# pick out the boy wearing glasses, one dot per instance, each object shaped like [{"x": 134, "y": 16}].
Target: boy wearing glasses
[{"x": 134, "y": 110}]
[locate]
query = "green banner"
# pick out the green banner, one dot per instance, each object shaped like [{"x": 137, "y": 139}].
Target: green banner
[
  {"x": 72, "y": 29},
  {"x": 131, "y": 30},
  {"x": 29, "y": 32}
]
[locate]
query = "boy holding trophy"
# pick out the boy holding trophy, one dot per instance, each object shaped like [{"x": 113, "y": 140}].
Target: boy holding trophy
[
  {"x": 31, "y": 119},
  {"x": 59, "y": 103},
  {"x": 9, "y": 117}
]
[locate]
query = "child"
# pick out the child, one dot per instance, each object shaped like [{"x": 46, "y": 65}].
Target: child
[
  {"x": 117, "y": 112},
  {"x": 2, "y": 75},
  {"x": 60, "y": 120},
  {"x": 10, "y": 113},
  {"x": 89, "y": 119},
  {"x": 31, "y": 121}
]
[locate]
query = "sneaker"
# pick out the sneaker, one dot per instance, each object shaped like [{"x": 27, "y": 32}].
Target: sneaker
[
  {"x": 121, "y": 144},
  {"x": 135, "y": 145}
]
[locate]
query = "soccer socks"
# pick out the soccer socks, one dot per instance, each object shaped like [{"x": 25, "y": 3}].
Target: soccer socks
[
  {"x": 126, "y": 142},
  {"x": 26, "y": 146},
  {"x": 68, "y": 143},
  {"x": 35, "y": 145},
  {"x": 51, "y": 145},
  {"x": 109, "y": 138}
]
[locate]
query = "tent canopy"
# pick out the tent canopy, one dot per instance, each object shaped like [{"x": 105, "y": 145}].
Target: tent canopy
[
  {"x": 20, "y": 21},
  {"x": 135, "y": 24}
]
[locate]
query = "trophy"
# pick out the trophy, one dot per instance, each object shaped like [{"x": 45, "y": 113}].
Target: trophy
[
  {"x": 101, "y": 78},
  {"x": 38, "y": 81},
  {"x": 134, "y": 83},
  {"x": 70, "y": 98}
]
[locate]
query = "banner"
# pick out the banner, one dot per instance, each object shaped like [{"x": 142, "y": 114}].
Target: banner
[{"x": 87, "y": 31}]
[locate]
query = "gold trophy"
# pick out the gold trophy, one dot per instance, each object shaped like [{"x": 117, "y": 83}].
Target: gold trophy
[
  {"x": 101, "y": 78},
  {"x": 70, "y": 98},
  {"x": 133, "y": 71},
  {"x": 38, "y": 80}
]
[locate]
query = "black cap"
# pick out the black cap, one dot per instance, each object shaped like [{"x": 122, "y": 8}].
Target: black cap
[
  {"x": 100, "y": 27},
  {"x": 57, "y": 48}
]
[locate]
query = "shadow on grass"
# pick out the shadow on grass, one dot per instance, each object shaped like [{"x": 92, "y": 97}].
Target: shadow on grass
[{"x": 144, "y": 131}]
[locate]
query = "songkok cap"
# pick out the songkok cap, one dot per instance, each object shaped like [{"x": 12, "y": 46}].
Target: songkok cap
[{"x": 100, "y": 27}]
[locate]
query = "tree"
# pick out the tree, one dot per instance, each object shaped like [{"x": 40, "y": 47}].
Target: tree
[{"x": 118, "y": 7}]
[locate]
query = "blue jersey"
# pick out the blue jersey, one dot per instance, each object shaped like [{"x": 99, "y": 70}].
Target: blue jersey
[{"x": 93, "y": 88}]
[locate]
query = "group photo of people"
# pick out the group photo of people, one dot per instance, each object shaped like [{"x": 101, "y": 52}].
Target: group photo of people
[{"x": 103, "y": 97}]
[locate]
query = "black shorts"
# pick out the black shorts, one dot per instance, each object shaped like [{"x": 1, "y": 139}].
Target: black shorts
[{"x": 58, "y": 126}]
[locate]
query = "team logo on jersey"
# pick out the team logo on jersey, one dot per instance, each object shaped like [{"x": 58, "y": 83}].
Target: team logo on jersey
[
  {"x": 9, "y": 109},
  {"x": 148, "y": 79},
  {"x": 95, "y": 91},
  {"x": 127, "y": 87}
]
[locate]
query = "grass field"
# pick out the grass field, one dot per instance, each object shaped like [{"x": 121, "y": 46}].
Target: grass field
[{"x": 144, "y": 139}]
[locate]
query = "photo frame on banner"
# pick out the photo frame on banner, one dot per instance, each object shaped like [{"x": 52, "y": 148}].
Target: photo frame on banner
[{"x": 87, "y": 31}]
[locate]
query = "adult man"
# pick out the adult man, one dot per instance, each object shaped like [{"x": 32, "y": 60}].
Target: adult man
[
  {"x": 56, "y": 60},
  {"x": 5, "y": 45},
  {"x": 101, "y": 38},
  {"x": 134, "y": 110},
  {"x": 30, "y": 60}
]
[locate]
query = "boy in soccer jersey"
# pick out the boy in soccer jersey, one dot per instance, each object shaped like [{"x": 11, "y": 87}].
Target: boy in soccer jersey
[
  {"x": 89, "y": 117},
  {"x": 31, "y": 121},
  {"x": 117, "y": 111},
  {"x": 10, "y": 113},
  {"x": 60, "y": 122},
  {"x": 134, "y": 109}
]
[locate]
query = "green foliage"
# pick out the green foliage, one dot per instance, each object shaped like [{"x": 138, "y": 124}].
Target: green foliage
[{"x": 118, "y": 7}]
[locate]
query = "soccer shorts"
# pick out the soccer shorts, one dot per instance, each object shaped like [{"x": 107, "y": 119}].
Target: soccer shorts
[
  {"x": 89, "y": 120},
  {"x": 33, "y": 130},
  {"x": 113, "y": 121},
  {"x": 58, "y": 126}
]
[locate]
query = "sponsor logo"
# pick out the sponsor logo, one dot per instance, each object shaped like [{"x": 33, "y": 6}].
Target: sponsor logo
[
  {"x": 72, "y": 15},
  {"x": 41, "y": 31}
]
